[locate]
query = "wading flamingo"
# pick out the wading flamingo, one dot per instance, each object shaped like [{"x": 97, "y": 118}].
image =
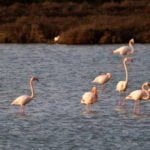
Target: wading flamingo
[
  {"x": 122, "y": 85},
  {"x": 125, "y": 50},
  {"x": 25, "y": 99},
  {"x": 89, "y": 98},
  {"x": 102, "y": 79},
  {"x": 139, "y": 95}
]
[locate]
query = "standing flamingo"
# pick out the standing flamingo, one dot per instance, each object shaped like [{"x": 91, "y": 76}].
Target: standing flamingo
[
  {"x": 139, "y": 95},
  {"x": 122, "y": 85},
  {"x": 25, "y": 99},
  {"x": 89, "y": 98},
  {"x": 102, "y": 79},
  {"x": 125, "y": 50}
]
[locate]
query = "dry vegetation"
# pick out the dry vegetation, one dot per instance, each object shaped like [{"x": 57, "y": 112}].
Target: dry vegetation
[{"x": 76, "y": 23}]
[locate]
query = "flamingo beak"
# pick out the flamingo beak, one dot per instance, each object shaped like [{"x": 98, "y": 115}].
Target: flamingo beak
[
  {"x": 131, "y": 59},
  {"x": 35, "y": 78}
]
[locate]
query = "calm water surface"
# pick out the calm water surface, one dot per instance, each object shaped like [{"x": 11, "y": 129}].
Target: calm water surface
[{"x": 54, "y": 120}]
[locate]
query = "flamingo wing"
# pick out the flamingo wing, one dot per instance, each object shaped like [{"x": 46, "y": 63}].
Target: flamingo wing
[
  {"x": 87, "y": 98},
  {"x": 21, "y": 100},
  {"x": 121, "y": 86},
  {"x": 101, "y": 79},
  {"x": 135, "y": 95},
  {"x": 122, "y": 50}
]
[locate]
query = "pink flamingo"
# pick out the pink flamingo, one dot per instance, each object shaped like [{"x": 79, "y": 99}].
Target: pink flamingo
[
  {"x": 89, "y": 98},
  {"x": 125, "y": 50},
  {"x": 122, "y": 85},
  {"x": 25, "y": 99},
  {"x": 139, "y": 95},
  {"x": 102, "y": 79}
]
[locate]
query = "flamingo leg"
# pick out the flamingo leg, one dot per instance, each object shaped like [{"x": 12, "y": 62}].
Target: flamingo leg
[
  {"x": 87, "y": 107},
  {"x": 123, "y": 101},
  {"x": 119, "y": 101},
  {"x": 138, "y": 106},
  {"x": 21, "y": 109},
  {"x": 102, "y": 88},
  {"x": 135, "y": 107}
]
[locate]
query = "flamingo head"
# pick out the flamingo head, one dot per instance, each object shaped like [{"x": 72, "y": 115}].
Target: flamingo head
[
  {"x": 146, "y": 84},
  {"x": 132, "y": 41},
  {"x": 94, "y": 91},
  {"x": 128, "y": 97},
  {"x": 109, "y": 75},
  {"x": 34, "y": 78}
]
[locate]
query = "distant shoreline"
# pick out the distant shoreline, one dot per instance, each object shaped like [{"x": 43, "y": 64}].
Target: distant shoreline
[{"x": 75, "y": 23}]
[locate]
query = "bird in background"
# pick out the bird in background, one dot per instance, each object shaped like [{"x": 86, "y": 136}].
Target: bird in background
[
  {"x": 122, "y": 85},
  {"x": 56, "y": 38},
  {"x": 139, "y": 95},
  {"x": 89, "y": 98},
  {"x": 25, "y": 99},
  {"x": 125, "y": 50},
  {"x": 102, "y": 79}
]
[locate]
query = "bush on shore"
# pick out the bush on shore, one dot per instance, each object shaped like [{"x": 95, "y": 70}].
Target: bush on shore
[{"x": 76, "y": 23}]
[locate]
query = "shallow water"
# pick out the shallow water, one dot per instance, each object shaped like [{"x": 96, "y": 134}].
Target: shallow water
[{"x": 55, "y": 119}]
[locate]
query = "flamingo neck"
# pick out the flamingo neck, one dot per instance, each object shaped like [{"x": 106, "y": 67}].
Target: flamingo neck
[
  {"x": 132, "y": 48},
  {"x": 147, "y": 95},
  {"x": 126, "y": 71},
  {"x": 145, "y": 87},
  {"x": 95, "y": 93},
  {"x": 32, "y": 89},
  {"x": 146, "y": 91}
]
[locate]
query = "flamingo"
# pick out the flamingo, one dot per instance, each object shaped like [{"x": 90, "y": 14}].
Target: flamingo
[
  {"x": 125, "y": 50},
  {"x": 89, "y": 98},
  {"x": 25, "y": 99},
  {"x": 122, "y": 85},
  {"x": 139, "y": 95},
  {"x": 102, "y": 79}
]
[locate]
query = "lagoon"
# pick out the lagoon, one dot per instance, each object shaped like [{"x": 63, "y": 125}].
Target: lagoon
[{"x": 54, "y": 120}]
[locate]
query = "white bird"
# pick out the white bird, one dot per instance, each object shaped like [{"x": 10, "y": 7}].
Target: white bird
[
  {"x": 125, "y": 50},
  {"x": 56, "y": 38},
  {"x": 139, "y": 95},
  {"x": 102, "y": 79},
  {"x": 122, "y": 85},
  {"x": 25, "y": 99},
  {"x": 89, "y": 98}
]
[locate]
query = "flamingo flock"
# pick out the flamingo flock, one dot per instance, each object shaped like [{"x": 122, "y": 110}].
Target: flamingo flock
[{"x": 90, "y": 98}]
